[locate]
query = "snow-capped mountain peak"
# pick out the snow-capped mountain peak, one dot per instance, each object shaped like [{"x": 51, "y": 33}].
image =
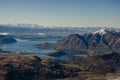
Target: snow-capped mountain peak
[
  {"x": 106, "y": 30},
  {"x": 101, "y": 31},
  {"x": 23, "y": 25}
]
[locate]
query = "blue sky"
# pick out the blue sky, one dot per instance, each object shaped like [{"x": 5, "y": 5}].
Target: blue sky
[{"x": 61, "y": 12}]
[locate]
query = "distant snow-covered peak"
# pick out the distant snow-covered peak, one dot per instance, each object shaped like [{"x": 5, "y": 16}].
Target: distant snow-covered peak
[
  {"x": 105, "y": 30},
  {"x": 101, "y": 31},
  {"x": 23, "y": 25}
]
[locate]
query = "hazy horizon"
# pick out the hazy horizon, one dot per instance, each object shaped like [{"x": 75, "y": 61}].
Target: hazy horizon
[
  {"x": 61, "y": 13},
  {"x": 45, "y": 26}
]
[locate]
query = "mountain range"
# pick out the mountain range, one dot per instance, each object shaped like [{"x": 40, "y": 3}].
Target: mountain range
[
  {"x": 32, "y": 30},
  {"x": 101, "y": 40}
]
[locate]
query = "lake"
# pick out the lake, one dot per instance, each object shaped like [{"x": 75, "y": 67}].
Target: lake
[
  {"x": 29, "y": 46},
  {"x": 26, "y": 46}
]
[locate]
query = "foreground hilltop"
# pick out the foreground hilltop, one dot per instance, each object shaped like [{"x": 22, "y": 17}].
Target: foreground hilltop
[
  {"x": 33, "y": 68},
  {"x": 89, "y": 67},
  {"x": 103, "y": 39}
]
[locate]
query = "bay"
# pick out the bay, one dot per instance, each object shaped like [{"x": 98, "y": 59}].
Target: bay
[{"x": 29, "y": 46}]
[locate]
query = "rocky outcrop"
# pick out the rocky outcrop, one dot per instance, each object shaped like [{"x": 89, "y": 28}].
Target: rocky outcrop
[
  {"x": 24, "y": 68},
  {"x": 80, "y": 66},
  {"x": 72, "y": 42},
  {"x": 100, "y": 64},
  {"x": 33, "y": 68}
]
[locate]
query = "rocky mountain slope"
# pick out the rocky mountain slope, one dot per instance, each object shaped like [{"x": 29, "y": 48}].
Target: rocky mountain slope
[
  {"x": 79, "y": 68},
  {"x": 33, "y": 68},
  {"x": 98, "y": 63},
  {"x": 100, "y": 39},
  {"x": 104, "y": 39}
]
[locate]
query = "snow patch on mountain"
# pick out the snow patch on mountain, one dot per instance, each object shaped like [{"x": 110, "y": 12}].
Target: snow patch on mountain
[
  {"x": 101, "y": 31},
  {"x": 23, "y": 25},
  {"x": 106, "y": 30}
]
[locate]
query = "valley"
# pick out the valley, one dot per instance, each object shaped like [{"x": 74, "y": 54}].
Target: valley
[
  {"x": 59, "y": 39},
  {"x": 91, "y": 55}
]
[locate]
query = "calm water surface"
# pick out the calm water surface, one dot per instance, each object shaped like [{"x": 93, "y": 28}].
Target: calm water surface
[
  {"x": 30, "y": 46},
  {"x": 26, "y": 46}
]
